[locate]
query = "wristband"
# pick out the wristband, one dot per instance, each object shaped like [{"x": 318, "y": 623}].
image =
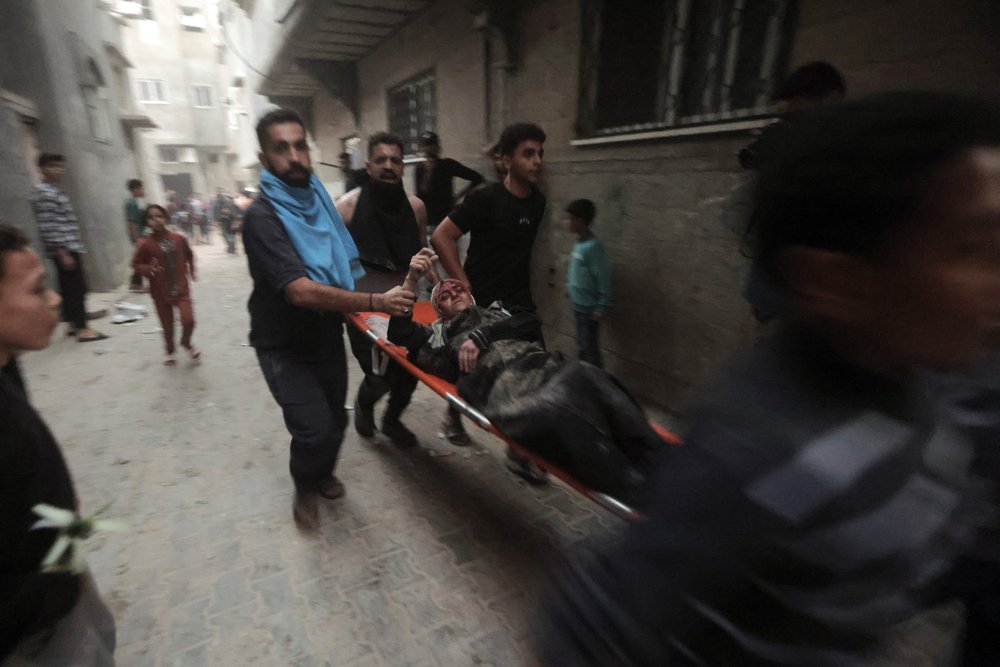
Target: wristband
[
  {"x": 371, "y": 298},
  {"x": 479, "y": 340}
]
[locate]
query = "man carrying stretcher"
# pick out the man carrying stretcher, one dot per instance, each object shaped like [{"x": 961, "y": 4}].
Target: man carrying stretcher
[{"x": 572, "y": 414}]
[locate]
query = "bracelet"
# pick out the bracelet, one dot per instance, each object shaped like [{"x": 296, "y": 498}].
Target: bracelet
[{"x": 371, "y": 298}]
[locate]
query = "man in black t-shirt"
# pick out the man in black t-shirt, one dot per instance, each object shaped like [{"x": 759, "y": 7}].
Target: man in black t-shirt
[
  {"x": 434, "y": 180},
  {"x": 502, "y": 221},
  {"x": 298, "y": 296}
]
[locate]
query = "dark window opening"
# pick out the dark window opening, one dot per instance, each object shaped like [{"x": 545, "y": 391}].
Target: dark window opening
[
  {"x": 654, "y": 64},
  {"x": 413, "y": 110}
]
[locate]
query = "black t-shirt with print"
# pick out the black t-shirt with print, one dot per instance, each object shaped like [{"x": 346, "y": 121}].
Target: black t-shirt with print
[{"x": 502, "y": 230}]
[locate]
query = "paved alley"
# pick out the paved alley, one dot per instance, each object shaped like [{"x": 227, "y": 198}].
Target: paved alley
[{"x": 436, "y": 555}]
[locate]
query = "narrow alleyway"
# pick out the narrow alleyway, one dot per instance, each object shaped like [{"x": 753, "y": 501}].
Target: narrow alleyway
[{"x": 436, "y": 556}]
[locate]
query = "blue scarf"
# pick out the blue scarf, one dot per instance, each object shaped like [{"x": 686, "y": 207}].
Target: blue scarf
[{"x": 316, "y": 230}]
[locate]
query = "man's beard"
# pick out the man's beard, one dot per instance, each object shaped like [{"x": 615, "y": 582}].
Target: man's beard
[{"x": 297, "y": 176}]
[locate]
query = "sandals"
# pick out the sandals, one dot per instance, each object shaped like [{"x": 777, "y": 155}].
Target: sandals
[
  {"x": 90, "y": 339},
  {"x": 192, "y": 351}
]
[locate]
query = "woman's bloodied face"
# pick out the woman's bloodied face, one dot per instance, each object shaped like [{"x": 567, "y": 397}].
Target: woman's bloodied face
[{"x": 451, "y": 297}]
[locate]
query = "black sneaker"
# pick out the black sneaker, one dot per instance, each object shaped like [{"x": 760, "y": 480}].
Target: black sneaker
[
  {"x": 399, "y": 434},
  {"x": 364, "y": 419}
]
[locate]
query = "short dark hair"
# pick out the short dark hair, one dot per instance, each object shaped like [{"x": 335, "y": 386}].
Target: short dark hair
[
  {"x": 45, "y": 159},
  {"x": 514, "y": 135},
  {"x": 276, "y": 117},
  {"x": 345, "y": 155},
  {"x": 583, "y": 209},
  {"x": 851, "y": 174},
  {"x": 430, "y": 139},
  {"x": 12, "y": 239},
  {"x": 812, "y": 81},
  {"x": 145, "y": 212},
  {"x": 385, "y": 138},
  {"x": 133, "y": 184}
]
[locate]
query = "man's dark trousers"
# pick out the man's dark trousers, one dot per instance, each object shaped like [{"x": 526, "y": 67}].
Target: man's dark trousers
[
  {"x": 396, "y": 382},
  {"x": 73, "y": 289},
  {"x": 311, "y": 388}
]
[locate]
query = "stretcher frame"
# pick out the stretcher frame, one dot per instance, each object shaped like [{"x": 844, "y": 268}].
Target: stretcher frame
[{"x": 423, "y": 313}]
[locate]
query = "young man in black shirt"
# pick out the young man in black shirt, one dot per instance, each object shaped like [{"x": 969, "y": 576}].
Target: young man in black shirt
[
  {"x": 434, "y": 180},
  {"x": 52, "y": 617},
  {"x": 303, "y": 264},
  {"x": 502, "y": 220}
]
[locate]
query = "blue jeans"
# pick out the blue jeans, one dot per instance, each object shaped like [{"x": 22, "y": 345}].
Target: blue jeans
[
  {"x": 311, "y": 389},
  {"x": 587, "y": 331}
]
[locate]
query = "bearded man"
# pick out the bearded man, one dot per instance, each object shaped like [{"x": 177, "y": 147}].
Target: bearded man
[
  {"x": 389, "y": 227},
  {"x": 304, "y": 265}
]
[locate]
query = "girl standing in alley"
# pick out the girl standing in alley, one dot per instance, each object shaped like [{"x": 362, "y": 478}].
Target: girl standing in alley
[{"x": 166, "y": 259}]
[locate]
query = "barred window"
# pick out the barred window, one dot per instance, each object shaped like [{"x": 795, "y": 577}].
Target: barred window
[
  {"x": 413, "y": 110},
  {"x": 152, "y": 91},
  {"x": 203, "y": 97},
  {"x": 654, "y": 64}
]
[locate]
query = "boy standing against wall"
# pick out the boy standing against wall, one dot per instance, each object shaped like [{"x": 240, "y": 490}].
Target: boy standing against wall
[{"x": 588, "y": 280}]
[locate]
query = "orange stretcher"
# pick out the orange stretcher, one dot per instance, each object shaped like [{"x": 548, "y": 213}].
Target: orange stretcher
[{"x": 423, "y": 313}]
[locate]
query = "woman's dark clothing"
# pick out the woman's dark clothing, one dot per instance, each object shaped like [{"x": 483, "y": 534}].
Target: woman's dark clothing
[{"x": 572, "y": 414}]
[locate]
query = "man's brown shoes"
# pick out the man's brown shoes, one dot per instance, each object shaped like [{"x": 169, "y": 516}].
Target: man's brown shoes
[
  {"x": 305, "y": 511},
  {"x": 331, "y": 488},
  {"x": 305, "y": 507}
]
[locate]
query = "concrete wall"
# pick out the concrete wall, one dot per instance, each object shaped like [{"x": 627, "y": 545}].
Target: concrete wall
[
  {"x": 40, "y": 63},
  {"x": 17, "y": 177},
  {"x": 670, "y": 212},
  {"x": 441, "y": 39}
]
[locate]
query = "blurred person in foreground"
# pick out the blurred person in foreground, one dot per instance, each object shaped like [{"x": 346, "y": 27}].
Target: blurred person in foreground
[
  {"x": 811, "y": 86},
  {"x": 842, "y": 478},
  {"x": 49, "y": 617}
]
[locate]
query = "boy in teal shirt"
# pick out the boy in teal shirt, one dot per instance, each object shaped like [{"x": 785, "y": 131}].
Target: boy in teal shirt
[{"x": 588, "y": 280}]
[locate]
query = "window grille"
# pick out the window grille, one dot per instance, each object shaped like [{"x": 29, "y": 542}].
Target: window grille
[
  {"x": 654, "y": 64},
  {"x": 412, "y": 108}
]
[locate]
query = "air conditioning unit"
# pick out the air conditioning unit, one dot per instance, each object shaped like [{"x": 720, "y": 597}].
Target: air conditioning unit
[{"x": 128, "y": 8}]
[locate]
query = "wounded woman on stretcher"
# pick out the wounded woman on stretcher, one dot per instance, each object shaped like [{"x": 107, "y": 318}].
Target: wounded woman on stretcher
[{"x": 574, "y": 415}]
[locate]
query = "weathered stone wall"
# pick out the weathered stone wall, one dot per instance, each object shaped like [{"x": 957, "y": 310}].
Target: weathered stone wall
[
  {"x": 41, "y": 64},
  {"x": 670, "y": 212},
  {"x": 441, "y": 39}
]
